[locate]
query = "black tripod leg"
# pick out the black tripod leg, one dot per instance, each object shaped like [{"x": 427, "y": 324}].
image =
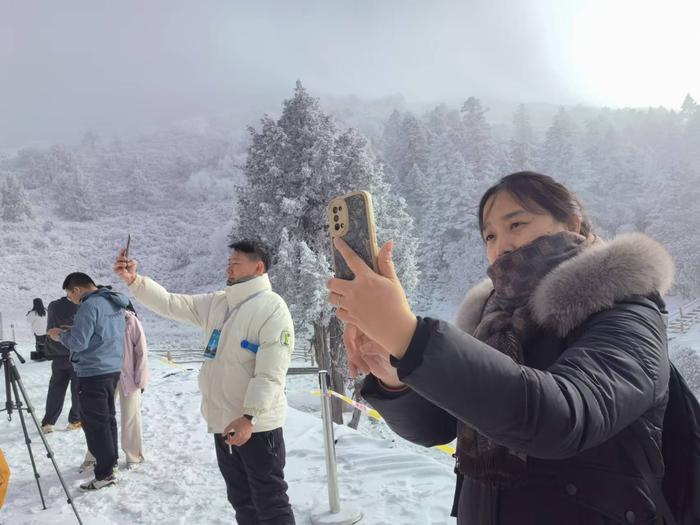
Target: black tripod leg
[
  {"x": 27, "y": 439},
  {"x": 17, "y": 382}
]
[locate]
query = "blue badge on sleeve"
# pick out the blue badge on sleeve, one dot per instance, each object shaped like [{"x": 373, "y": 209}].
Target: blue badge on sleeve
[{"x": 250, "y": 346}]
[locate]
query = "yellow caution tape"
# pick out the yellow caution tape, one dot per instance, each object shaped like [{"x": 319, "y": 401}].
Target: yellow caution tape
[
  {"x": 172, "y": 363},
  {"x": 447, "y": 449},
  {"x": 364, "y": 408}
]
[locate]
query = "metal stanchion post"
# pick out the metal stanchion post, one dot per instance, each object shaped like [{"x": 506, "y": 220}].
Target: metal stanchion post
[
  {"x": 335, "y": 516},
  {"x": 329, "y": 442}
]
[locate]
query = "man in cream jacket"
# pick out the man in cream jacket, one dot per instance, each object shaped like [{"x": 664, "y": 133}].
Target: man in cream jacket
[{"x": 248, "y": 339}]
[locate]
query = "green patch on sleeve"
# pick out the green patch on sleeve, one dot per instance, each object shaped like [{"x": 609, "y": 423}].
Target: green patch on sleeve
[{"x": 286, "y": 338}]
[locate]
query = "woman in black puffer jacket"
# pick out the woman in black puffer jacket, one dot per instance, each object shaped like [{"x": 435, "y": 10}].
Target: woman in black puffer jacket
[{"x": 554, "y": 380}]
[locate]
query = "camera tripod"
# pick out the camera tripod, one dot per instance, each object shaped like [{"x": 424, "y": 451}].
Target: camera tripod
[{"x": 13, "y": 385}]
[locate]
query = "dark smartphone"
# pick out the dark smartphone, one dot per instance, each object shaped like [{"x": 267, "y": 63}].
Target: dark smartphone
[
  {"x": 128, "y": 242},
  {"x": 351, "y": 217}
]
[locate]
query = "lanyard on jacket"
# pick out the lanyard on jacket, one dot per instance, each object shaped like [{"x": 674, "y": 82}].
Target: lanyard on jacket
[
  {"x": 230, "y": 312},
  {"x": 213, "y": 344}
]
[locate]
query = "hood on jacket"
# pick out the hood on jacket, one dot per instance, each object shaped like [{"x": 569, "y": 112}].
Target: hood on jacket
[
  {"x": 119, "y": 299},
  {"x": 593, "y": 281}
]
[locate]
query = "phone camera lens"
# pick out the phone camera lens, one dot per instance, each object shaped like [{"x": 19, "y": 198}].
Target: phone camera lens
[
  {"x": 337, "y": 227},
  {"x": 336, "y": 218},
  {"x": 342, "y": 225},
  {"x": 335, "y": 210}
]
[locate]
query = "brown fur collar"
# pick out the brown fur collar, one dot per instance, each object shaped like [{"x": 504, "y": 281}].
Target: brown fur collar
[{"x": 607, "y": 272}]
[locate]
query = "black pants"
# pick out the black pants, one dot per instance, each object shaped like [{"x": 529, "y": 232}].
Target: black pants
[
  {"x": 40, "y": 343},
  {"x": 97, "y": 413},
  {"x": 254, "y": 475},
  {"x": 62, "y": 373}
]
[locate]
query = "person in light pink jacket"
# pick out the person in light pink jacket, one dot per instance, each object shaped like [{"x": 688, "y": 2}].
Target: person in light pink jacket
[{"x": 133, "y": 380}]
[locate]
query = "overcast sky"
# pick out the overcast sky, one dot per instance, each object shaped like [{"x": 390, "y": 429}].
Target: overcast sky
[{"x": 117, "y": 66}]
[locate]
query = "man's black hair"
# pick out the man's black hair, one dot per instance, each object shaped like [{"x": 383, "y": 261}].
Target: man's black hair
[
  {"x": 77, "y": 279},
  {"x": 255, "y": 249}
]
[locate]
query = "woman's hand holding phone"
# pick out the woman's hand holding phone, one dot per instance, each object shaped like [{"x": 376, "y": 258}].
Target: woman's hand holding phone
[
  {"x": 374, "y": 303},
  {"x": 366, "y": 356}
]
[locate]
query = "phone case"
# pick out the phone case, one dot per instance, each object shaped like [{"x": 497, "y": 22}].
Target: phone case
[{"x": 351, "y": 217}]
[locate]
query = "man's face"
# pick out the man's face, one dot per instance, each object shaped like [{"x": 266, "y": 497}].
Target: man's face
[
  {"x": 74, "y": 294},
  {"x": 242, "y": 266}
]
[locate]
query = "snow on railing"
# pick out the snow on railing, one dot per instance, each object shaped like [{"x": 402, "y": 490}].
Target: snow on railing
[{"x": 680, "y": 321}]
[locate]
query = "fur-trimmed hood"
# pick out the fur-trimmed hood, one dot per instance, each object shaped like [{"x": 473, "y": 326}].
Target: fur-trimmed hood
[{"x": 593, "y": 281}]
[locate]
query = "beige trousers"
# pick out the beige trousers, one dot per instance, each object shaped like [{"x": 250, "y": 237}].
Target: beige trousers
[{"x": 131, "y": 432}]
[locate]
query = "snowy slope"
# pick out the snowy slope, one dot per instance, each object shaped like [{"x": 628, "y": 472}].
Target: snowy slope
[{"x": 180, "y": 483}]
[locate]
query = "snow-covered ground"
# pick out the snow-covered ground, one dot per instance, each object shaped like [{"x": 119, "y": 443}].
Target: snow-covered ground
[{"x": 391, "y": 481}]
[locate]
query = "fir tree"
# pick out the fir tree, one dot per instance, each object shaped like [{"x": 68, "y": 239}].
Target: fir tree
[
  {"x": 447, "y": 248},
  {"x": 478, "y": 146},
  {"x": 76, "y": 196},
  {"x": 14, "y": 203},
  {"x": 689, "y": 108},
  {"x": 295, "y": 166},
  {"x": 559, "y": 154},
  {"x": 522, "y": 148},
  {"x": 406, "y": 152}
]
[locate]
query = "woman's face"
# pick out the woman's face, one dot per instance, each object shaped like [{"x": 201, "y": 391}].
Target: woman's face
[{"x": 508, "y": 226}]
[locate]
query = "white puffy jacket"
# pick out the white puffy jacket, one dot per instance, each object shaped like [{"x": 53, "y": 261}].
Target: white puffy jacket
[
  {"x": 37, "y": 322},
  {"x": 237, "y": 381}
]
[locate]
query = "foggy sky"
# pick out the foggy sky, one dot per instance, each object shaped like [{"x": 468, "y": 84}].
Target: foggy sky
[{"x": 118, "y": 66}]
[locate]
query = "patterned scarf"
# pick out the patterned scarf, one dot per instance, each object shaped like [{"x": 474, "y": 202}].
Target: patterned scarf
[{"x": 505, "y": 324}]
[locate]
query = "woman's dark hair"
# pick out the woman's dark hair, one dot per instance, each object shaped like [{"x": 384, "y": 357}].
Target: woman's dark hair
[
  {"x": 38, "y": 307},
  {"x": 538, "y": 193}
]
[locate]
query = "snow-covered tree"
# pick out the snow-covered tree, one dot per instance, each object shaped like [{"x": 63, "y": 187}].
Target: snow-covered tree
[
  {"x": 14, "y": 202},
  {"x": 40, "y": 167},
  {"x": 522, "y": 148},
  {"x": 559, "y": 151},
  {"x": 478, "y": 147},
  {"x": 689, "y": 108},
  {"x": 76, "y": 197},
  {"x": 406, "y": 152},
  {"x": 690, "y": 116},
  {"x": 448, "y": 251},
  {"x": 295, "y": 166}
]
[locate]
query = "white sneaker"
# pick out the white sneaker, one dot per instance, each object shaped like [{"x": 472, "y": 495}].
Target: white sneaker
[
  {"x": 97, "y": 484},
  {"x": 47, "y": 429},
  {"x": 131, "y": 465}
]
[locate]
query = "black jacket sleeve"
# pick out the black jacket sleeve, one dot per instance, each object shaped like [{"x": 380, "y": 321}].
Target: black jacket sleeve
[
  {"x": 411, "y": 416},
  {"x": 51, "y": 316},
  {"x": 611, "y": 374}
]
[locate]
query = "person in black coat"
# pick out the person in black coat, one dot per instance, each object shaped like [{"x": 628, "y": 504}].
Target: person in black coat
[
  {"x": 60, "y": 315},
  {"x": 554, "y": 381}
]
